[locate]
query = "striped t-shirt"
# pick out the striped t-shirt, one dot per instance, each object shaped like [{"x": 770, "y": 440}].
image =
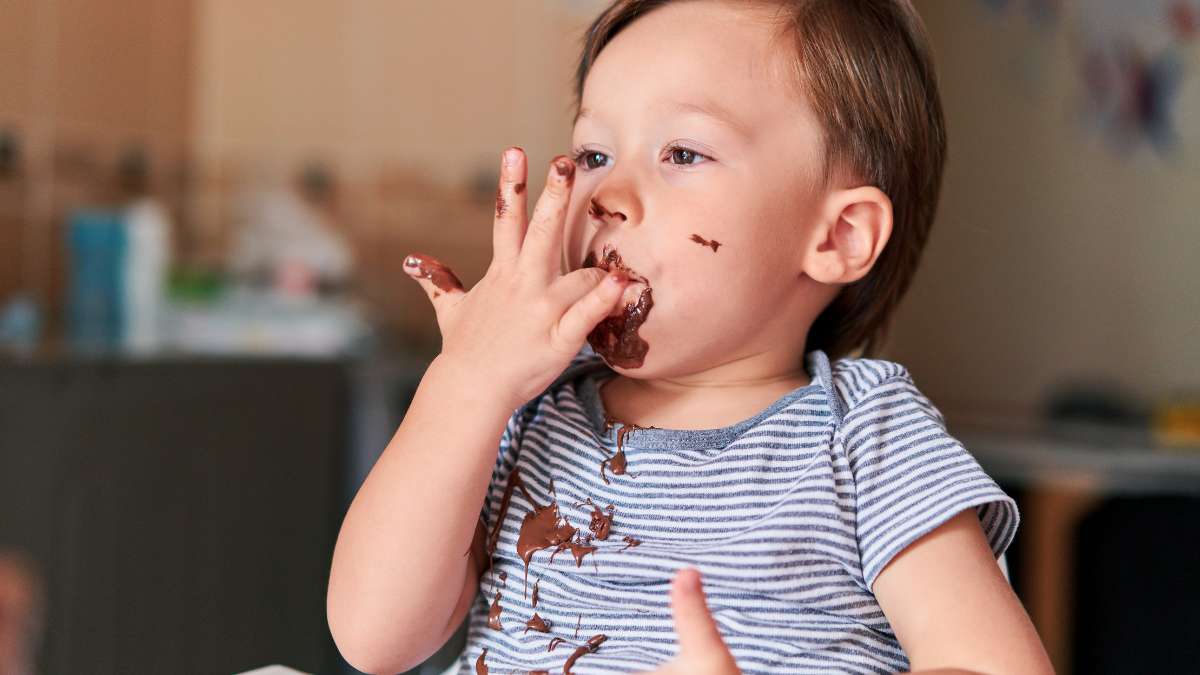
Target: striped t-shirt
[{"x": 789, "y": 516}]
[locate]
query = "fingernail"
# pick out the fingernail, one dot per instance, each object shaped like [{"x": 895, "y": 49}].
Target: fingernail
[
  {"x": 412, "y": 261},
  {"x": 565, "y": 168},
  {"x": 512, "y": 156}
]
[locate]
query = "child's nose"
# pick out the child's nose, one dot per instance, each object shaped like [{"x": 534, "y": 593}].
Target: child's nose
[{"x": 600, "y": 212}]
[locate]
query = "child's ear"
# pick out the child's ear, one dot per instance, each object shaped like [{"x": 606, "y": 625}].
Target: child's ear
[{"x": 855, "y": 225}]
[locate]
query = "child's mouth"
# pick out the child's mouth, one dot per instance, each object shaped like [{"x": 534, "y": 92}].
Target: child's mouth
[{"x": 615, "y": 338}]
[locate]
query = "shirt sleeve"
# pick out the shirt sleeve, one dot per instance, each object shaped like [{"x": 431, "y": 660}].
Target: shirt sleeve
[{"x": 911, "y": 476}]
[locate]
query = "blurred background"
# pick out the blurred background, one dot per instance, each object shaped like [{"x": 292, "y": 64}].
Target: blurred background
[{"x": 206, "y": 337}]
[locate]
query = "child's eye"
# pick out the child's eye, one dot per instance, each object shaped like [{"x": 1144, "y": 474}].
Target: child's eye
[
  {"x": 682, "y": 156},
  {"x": 590, "y": 159},
  {"x": 678, "y": 155}
]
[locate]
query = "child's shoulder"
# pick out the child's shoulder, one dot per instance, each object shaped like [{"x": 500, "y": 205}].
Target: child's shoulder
[{"x": 870, "y": 383}]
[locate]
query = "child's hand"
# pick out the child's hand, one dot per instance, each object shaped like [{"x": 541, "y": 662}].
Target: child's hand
[
  {"x": 519, "y": 327},
  {"x": 701, "y": 650}
]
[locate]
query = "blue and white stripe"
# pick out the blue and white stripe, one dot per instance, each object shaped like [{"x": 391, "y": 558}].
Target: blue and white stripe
[{"x": 790, "y": 516}]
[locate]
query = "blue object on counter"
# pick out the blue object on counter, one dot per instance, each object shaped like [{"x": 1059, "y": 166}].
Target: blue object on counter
[
  {"x": 20, "y": 324},
  {"x": 97, "y": 247}
]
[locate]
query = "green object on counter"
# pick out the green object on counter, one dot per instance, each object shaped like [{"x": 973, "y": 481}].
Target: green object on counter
[{"x": 194, "y": 284}]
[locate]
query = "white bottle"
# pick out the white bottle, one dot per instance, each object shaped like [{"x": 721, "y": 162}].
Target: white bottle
[{"x": 148, "y": 254}]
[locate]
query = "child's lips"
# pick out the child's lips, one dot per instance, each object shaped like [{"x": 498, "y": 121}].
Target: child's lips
[
  {"x": 616, "y": 337},
  {"x": 610, "y": 261}
]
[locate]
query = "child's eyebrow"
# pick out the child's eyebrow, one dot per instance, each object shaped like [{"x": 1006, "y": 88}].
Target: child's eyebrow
[{"x": 709, "y": 109}]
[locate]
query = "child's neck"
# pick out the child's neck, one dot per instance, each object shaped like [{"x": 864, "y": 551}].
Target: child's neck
[{"x": 711, "y": 399}]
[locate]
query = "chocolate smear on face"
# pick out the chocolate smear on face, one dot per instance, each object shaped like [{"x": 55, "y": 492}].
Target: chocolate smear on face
[
  {"x": 589, "y": 647},
  {"x": 537, "y": 623},
  {"x": 480, "y": 663},
  {"x": 494, "y": 613},
  {"x": 431, "y": 268},
  {"x": 630, "y": 542},
  {"x": 713, "y": 244},
  {"x": 554, "y": 643},
  {"x": 616, "y": 338}
]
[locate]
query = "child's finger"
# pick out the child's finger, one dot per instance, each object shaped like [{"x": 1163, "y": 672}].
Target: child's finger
[
  {"x": 569, "y": 288},
  {"x": 439, "y": 282},
  {"x": 589, "y": 310},
  {"x": 543, "y": 238},
  {"x": 694, "y": 626},
  {"x": 508, "y": 228}
]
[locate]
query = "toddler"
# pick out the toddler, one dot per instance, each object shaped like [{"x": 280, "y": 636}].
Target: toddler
[{"x": 665, "y": 375}]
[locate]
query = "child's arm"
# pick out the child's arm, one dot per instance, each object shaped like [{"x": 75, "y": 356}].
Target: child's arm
[
  {"x": 401, "y": 580},
  {"x": 951, "y": 608}
]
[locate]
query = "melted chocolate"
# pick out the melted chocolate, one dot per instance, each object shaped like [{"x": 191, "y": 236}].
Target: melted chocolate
[
  {"x": 538, "y": 624},
  {"x": 596, "y": 210},
  {"x": 542, "y": 528},
  {"x": 601, "y": 522},
  {"x": 494, "y": 614},
  {"x": 431, "y": 268},
  {"x": 480, "y": 664},
  {"x": 503, "y": 579},
  {"x": 713, "y": 244},
  {"x": 615, "y": 338},
  {"x": 535, "y": 591},
  {"x": 589, "y": 647},
  {"x": 630, "y": 542},
  {"x": 564, "y": 167},
  {"x": 617, "y": 462},
  {"x": 554, "y": 643},
  {"x": 579, "y": 549},
  {"x": 519, "y": 188},
  {"x": 539, "y": 672},
  {"x": 501, "y": 205},
  {"x": 514, "y": 481}
]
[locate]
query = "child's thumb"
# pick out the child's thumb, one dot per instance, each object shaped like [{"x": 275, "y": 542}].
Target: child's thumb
[
  {"x": 435, "y": 278},
  {"x": 694, "y": 626}
]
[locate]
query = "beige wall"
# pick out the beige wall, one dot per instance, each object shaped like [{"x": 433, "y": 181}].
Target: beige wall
[{"x": 1052, "y": 255}]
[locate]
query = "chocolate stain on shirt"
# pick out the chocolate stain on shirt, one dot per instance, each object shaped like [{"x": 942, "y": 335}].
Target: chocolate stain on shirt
[
  {"x": 601, "y": 520},
  {"x": 494, "y": 613},
  {"x": 617, "y": 463},
  {"x": 537, "y": 623},
  {"x": 589, "y": 647}
]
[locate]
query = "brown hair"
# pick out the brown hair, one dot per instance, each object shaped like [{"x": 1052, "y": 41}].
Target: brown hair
[{"x": 866, "y": 69}]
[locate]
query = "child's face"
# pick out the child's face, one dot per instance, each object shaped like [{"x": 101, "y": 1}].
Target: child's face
[{"x": 693, "y": 131}]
